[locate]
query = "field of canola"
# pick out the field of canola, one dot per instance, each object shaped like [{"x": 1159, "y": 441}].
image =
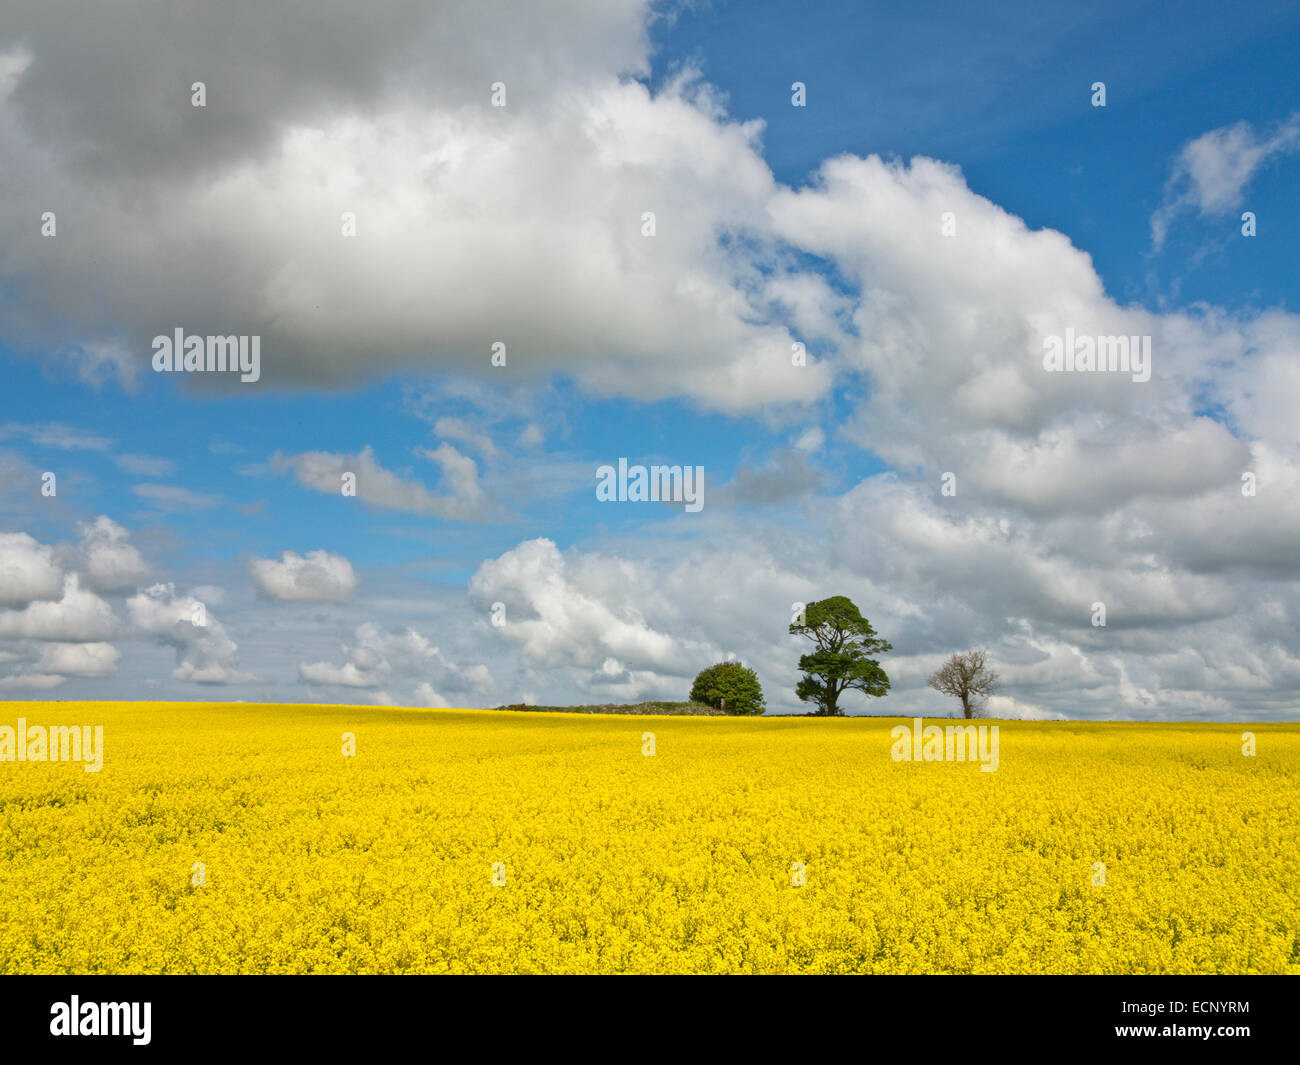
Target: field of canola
[{"x": 478, "y": 841}]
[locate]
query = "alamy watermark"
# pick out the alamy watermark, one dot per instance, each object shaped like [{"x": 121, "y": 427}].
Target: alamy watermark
[
  {"x": 653, "y": 484},
  {"x": 208, "y": 354},
  {"x": 102, "y": 1018},
  {"x": 1098, "y": 354},
  {"x": 58, "y": 743},
  {"x": 954, "y": 743}
]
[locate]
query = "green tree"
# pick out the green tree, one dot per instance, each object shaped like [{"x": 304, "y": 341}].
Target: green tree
[
  {"x": 842, "y": 659},
  {"x": 730, "y": 687}
]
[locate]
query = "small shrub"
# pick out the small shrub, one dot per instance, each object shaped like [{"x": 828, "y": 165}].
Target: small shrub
[{"x": 730, "y": 687}]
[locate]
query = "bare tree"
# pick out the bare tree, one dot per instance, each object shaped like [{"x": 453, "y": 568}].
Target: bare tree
[{"x": 968, "y": 678}]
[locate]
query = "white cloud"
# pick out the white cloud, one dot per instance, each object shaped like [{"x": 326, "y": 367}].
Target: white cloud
[
  {"x": 579, "y": 609},
  {"x": 96, "y": 362},
  {"x": 368, "y": 659},
  {"x": 378, "y": 657},
  {"x": 463, "y": 500},
  {"x": 317, "y": 577},
  {"x": 811, "y": 440},
  {"x": 205, "y": 653},
  {"x": 79, "y": 659},
  {"x": 426, "y": 696},
  {"x": 1005, "y": 706},
  {"x": 31, "y": 682},
  {"x": 108, "y": 559},
  {"x": 459, "y": 429},
  {"x": 543, "y": 199},
  {"x": 348, "y": 675},
  {"x": 28, "y": 571},
  {"x": 62, "y": 628},
  {"x": 56, "y": 435},
  {"x": 79, "y": 616},
  {"x": 1211, "y": 173},
  {"x": 950, "y": 330}
]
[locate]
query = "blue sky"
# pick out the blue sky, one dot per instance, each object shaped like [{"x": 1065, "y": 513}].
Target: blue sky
[
  {"x": 658, "y": 350},
  {"x": 995, "y": 89}
]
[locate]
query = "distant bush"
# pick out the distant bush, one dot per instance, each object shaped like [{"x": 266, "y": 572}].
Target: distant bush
[{"x": 730, "y": 687}]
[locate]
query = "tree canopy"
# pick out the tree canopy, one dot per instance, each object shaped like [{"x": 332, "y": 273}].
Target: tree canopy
[
  {"x": 729, "y": 686},
  {"x": 843, "y": 656}
]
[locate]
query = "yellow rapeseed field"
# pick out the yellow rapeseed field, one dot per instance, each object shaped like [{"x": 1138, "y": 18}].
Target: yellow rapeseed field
[{"x": 240, "y": 838}]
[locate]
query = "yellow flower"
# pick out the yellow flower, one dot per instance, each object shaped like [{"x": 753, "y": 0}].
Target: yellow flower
[{"x": 473, "y": 841}]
